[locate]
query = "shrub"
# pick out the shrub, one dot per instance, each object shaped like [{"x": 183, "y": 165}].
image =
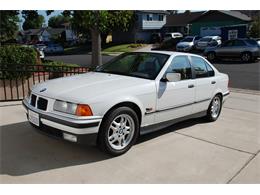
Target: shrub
[{"x": 14, "y": 58}]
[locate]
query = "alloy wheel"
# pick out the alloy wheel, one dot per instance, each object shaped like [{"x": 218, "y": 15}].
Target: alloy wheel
[
  {"x": 215, "y": 107},
  {"x": 246, "y": 57},
  {"x": 121, "y": 131}
]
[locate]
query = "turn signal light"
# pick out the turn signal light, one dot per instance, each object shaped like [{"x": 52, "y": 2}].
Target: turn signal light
[{"x": 83, "y": 110}]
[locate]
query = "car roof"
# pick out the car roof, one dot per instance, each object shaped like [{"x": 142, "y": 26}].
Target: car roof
[
  {"x": 210, "y": 36},
  {"x": 171, "y": 53}
]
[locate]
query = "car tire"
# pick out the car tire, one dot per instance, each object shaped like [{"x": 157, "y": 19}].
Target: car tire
[
  {"x": 214, "y": 108},
  {"x": 211, "y": 56},
  {"x": 118, "y": 131},
  {"x": 246, "y": 57}
]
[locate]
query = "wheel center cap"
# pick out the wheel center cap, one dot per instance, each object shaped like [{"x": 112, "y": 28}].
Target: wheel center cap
[{"x": 120, "y": 131}]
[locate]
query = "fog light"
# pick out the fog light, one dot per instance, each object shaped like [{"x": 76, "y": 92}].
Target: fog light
[{"x": 70, "y": 137}]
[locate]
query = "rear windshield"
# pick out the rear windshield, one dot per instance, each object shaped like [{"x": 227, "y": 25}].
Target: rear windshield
[
  {"x": 188, "y": 39},
  {"x": 206, "y": 39},
  {"x": 252, "y": 42}
]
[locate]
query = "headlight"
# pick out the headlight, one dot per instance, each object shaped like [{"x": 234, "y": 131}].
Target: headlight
[{"x": 71, "y": 108}]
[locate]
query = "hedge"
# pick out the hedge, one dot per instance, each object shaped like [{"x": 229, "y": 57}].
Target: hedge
[{"x": 13, "y": 57}]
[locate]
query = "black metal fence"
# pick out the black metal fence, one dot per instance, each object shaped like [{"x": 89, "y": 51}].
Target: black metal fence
[{"x": 16, "y": 81}]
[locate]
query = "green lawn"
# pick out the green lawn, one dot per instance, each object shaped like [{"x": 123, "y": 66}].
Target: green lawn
[
  {"x": 58, "y": 63},
  {"x": 123, "y": 48}
]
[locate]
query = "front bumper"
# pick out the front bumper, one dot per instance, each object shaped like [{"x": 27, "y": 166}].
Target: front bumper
[{"x": 82, "y": 130}]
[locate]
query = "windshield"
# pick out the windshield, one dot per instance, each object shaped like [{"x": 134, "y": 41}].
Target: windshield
[
  {"x": 188, "y": 39},
  {"x": 143, "y": 65},
  {"x": 206, "y": 39}
]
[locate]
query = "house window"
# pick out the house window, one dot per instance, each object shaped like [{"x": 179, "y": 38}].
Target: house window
[
  {"x": 160, "y": 17},
  {"x": 149, "y": 17}
]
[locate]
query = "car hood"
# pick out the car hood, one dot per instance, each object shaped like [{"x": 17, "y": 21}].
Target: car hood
[{"x": 86, "y": 86}]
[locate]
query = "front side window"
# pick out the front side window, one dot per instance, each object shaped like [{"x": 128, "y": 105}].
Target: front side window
[
  {"x": 142, "y": 65},
  {"x": 199, "y": 66},
  {"x": 180, "y": 64},
  {"x": 228, "y": 43},
  {"x": 238, "y": 43}
]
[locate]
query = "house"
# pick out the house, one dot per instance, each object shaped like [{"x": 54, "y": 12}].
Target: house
[
  {"x": 180, "y": 22},
  {"x": 227, "y": 24},
  {"x": 146, "y": 23},
  {"x": 47, "y": 35}
]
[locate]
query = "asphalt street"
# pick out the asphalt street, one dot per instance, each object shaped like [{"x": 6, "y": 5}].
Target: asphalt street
[
  {"x": 244, "y": 76},
  {"x": 194, "y": 151}
]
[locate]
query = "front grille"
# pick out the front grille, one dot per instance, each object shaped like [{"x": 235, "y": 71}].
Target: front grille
[
  {"x": 42, "y": 103},
  {"x": 33, "y": 100}
]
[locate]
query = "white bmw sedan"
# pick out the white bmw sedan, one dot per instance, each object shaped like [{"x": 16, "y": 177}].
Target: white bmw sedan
[{"x": 131, "y": 95}]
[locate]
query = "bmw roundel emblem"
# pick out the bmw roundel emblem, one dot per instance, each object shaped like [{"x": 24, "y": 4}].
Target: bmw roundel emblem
[{"x": 44, "y": 89}]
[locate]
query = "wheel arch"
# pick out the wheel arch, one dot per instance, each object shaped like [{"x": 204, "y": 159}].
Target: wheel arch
[{"x": 128, "y": 104}]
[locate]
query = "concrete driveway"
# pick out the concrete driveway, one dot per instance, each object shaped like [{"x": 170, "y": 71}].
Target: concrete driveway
[{"x": 226, "y": 151}]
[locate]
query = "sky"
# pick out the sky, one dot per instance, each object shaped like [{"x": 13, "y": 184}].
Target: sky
[{"x": 42, "y": 12}]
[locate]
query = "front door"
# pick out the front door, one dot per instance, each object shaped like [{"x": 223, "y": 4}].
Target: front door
[{"x": 175, "y": 99}]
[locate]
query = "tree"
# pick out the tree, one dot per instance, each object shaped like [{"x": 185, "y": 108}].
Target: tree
[
  {"x": 100, "y": 22},
  {"x": 32, "y": 19},
  {"x": 255, "y": 27},
  {"x": 58, "y": 21},
  {"x": 8, "y": 25}
]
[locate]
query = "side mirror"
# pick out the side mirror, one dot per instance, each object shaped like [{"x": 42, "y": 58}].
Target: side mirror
[{"x": 171, "y": 77}]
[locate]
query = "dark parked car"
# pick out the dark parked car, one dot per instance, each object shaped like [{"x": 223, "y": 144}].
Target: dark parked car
[{"x": 245, "y": 49}]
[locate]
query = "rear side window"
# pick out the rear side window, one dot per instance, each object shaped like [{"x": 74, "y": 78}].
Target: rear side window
[
  {"x": 199, "y": 66},
  {"x": 239, "y": 43},
  {"x": 180, "y": 64},
  {"x": 211, "y": 72}
]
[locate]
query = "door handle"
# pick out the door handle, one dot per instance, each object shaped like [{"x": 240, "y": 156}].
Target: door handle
[
  {"x": 213, "y": 82},
  {"x": 190, "y": 86}
]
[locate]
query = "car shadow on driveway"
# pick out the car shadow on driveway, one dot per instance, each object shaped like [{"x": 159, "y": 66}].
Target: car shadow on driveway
[{"x": 26, "y": 151}]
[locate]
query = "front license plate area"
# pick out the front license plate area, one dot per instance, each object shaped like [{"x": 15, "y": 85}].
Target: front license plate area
[{"x": 34, "y": 118}]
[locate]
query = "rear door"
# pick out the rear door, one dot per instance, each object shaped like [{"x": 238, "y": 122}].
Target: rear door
[
  {"x": 175, "y": 99},
  {"x": 225, "y": 50},
  {"x": 205, "y": 83},
  {"x": 238, "y": 47}
]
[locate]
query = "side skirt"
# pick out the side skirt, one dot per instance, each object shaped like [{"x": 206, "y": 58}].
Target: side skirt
[{"x": 158, "y": 126}]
